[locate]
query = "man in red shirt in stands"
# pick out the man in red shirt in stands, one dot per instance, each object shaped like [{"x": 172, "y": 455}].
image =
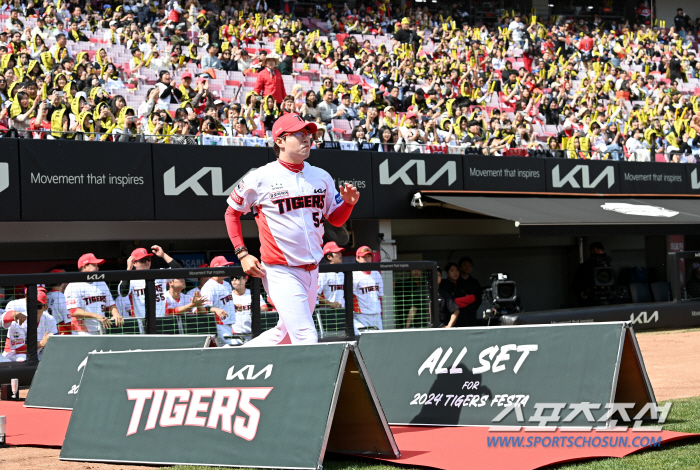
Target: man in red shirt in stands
[
  {"x": 585, "y": 45},
  {"x": 270, "y": 80}
]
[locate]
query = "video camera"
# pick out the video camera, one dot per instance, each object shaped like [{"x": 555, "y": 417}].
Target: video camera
[
  {"x": 501, "y": 298},
  {"x": 602, "y": 290}
]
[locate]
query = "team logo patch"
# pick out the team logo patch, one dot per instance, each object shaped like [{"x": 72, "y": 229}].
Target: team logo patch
[
  {"x": 338, "y": 198},
  {"x": 320, "y": 191},
  {"x": 236, "y": 198},
  {"x": 278, "y": 194}
]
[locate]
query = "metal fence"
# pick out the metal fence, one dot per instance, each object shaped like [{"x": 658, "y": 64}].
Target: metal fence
[{"x": 409, "y": 301}]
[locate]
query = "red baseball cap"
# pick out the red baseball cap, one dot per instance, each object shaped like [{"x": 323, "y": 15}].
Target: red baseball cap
[
  {"x": 187, "y": 75},
  {"x": 410, "y": 115},
  {"x": 140, "y": 253},
  {"x": 41, "y": 296},
  {"x": 332, "y": 247},
  {"x": 363, "y": 250},
  {"x": 291, "y": 123},
  {"x": 89, "y": 258},
  {"x": 219, "y": 261}
]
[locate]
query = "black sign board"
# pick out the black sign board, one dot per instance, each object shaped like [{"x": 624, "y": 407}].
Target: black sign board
[
  {"x": 349, "y": 167},
  {"x": 64, "y": 180},
  {"x": 515, "y": 174},
  {"x": 577, "y": 176},
  {"x": 397, "y": 176},
  {"x": 193, "y": 183},
  {"x": 9, "y": 180},
  {"x": 652, "y": 178},
  {"x": 692, "y": 179}
]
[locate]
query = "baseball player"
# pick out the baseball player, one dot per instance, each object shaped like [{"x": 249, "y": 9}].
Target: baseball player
[
  {"x": 178, "y": 303},
  {"x": 89, "y": 303},
  {"x": 57, "y": 306},
  {"x": 243, "y": 300},
  {"x": 140, "y": 259},
  {"x": 290, "y": 199},
  {"x": 218, "y": 296},
  {"x": 16, "y": 342},
  {"x": 367, "y": 290},
  {"x": 331, "y": 286}
]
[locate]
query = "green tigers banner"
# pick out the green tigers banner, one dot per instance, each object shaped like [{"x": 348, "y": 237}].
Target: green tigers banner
[
  {"x": 280, "y": 407},
  {"x": 57, "y": 378},
  {"x": 470, "y": 376}
]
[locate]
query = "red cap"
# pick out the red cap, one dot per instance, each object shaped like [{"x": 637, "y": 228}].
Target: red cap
[
  {"x": 89, "y": 258},
  {"x": 56, "y": 270},
  {"x": 291, "y": 123},
  {"x": 332, "y": 247},
  {"x": 410, "y": 115},
  {"x": 41, "y": 296},
  {"x": 187, "y": 75},
  {"x": 219, "y": 261},
  {"x": 363, "y": 250},
  {"x": 140, "y": 253}
]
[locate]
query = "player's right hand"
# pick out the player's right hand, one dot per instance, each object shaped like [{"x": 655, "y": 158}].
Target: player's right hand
[
  {"x": 252, "y": 267},
  {"x": 105, "y": 322}
]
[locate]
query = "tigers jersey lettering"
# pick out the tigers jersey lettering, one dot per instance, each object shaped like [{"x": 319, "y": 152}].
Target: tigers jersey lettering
[
  {"x": 332, "y": 287},
  {"x": 243, "y": 305},
  {"x": 93, "y": 297},
  {"x": 290, "y": 208},
  {"x": 367, "y": 289},
  {"x": 137, "y": 294}
]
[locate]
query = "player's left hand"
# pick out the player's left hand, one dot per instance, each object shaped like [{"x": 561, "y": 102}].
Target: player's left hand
[
  {"x": 349, "y": 193},
  {"x": 158, "y": 251},
  {"x": 117, "y": 319}
]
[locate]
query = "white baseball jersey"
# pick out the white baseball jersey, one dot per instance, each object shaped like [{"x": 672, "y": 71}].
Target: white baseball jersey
[
  {"x": 332, "y": 287},
  {"x": 137, "y": 294},
  {"x": 290, "y": 208},
  {"x": 123, "y": 305},
  {"x": 17, "y": 305},
  {"x": 56, "y": 302},
  {"x": 220, "y": 296},
  {"x": 367, "y": 288},
  {"x": 243, "y": 305},
  {"x": 16, "y": 343},
  {"x": 171, "y": 304},
  {"x": 93, "y": 297}
]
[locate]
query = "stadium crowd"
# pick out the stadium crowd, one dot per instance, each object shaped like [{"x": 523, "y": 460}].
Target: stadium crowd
[{"x": 377, "y": 77}]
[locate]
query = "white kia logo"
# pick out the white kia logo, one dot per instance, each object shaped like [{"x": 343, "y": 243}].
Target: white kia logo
[{"x": 638, "y": 209}]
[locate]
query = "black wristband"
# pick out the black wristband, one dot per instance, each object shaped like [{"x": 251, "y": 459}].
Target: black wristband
[{"x": 240, "y": 249}]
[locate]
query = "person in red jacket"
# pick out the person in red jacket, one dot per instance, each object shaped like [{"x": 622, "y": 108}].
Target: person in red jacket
[{"x": 270, "y": 80}]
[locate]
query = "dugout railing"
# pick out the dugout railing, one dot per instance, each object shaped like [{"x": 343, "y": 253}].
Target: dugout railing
[{"x": 405, "y": 283}]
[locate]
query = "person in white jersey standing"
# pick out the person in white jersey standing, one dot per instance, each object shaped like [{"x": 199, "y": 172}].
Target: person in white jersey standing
[
  {"x": 331, "y": 286},
  {"x": 218, "y": 297},
  {"x": 90, "y": 302},
  {"x": 243, "y": 300},
  {"x": 290, "y": 199},
  {"x": 368, "y": 291},
  {"x": 139, "y": 260}
]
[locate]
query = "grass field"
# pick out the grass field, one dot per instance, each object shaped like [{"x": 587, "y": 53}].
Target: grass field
[{"x": 685, "y": 454}]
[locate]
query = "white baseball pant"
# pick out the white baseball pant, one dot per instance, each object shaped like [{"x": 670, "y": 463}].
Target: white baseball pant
[
  {"x": 294, "y": 292},
  {"x": 363, "y": 320}
]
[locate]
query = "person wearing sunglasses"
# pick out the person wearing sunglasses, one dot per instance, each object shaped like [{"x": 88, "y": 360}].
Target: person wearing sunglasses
[{"x": 291, "y": 199}]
